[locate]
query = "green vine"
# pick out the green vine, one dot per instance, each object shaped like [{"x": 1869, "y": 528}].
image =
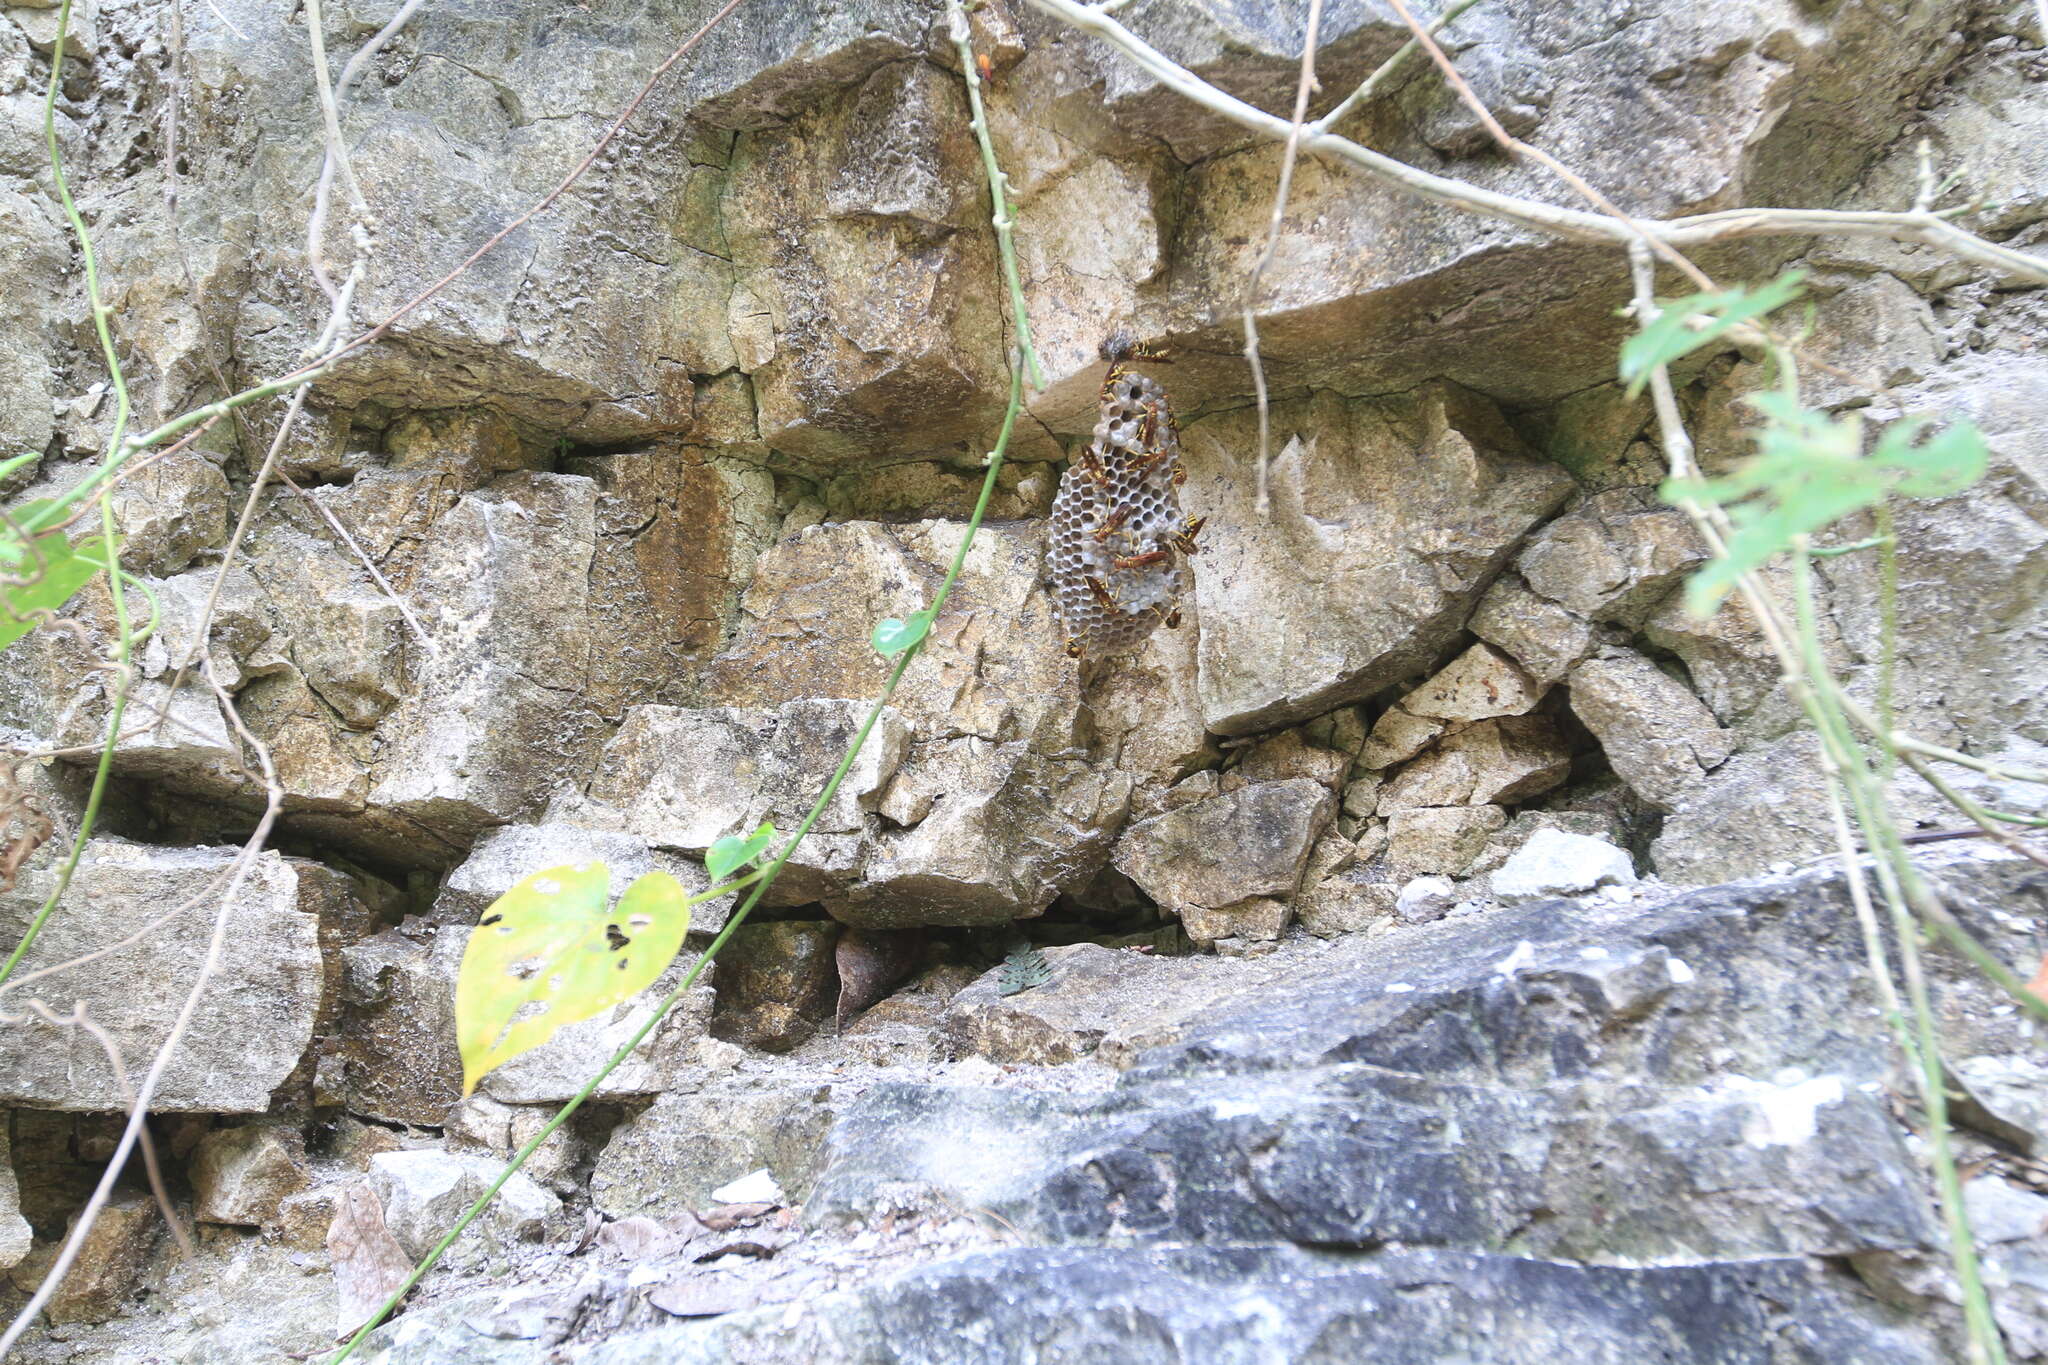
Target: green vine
[
  {"x": 905, "y": 644},
  {"x": 125, "y": 639}
]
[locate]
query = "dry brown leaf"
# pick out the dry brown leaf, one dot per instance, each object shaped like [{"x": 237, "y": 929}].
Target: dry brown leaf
[
  {"x": 871, "y": 962},
  {"x": 368, "y": 1262}
]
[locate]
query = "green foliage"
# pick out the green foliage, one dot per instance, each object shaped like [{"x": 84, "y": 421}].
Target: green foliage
[
  {"x": 547, "y": 954},
  {"x": 730, "y": 854},
  {"x": 1809, "y": 472},
  {"x": 1024, "y": 968},
  {"x": 1684, "y": 325},
  {"x": 892, "y": 636},
  {"x": 39, "y": 574}
]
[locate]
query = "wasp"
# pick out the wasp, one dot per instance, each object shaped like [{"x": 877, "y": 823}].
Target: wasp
[
  {"x": 1184, "y": 539},
  {"x": 1073, "y": 649},
  {"x": 1122, "y": 349},
  {"x": 1092, "y": 467},
  {"x": 1141, "y": 561},
  {"x": 1148, "y": 430},
  {"x": 986, "y": 67},
  {"x": 1169, "y": 619},
  {"x": 1111, "y": 522},
  {"x": 1102, "y": 595}
]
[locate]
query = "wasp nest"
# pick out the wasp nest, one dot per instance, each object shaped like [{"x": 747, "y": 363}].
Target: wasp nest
[{"x": 1119, "y": 543}]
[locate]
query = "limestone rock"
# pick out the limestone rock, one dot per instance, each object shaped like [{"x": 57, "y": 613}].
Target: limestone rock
[
  {"x": 683, "y": 778},
  {"x": 399, "y": 1041},
  {"x": 171, "y": 511},
  {"x": 1440, "y": 840},
  {"x": 424, "y": 1191},
  {"x": 1543, "y": 637},
  {"x": 1397, "y": 736},
  {"x": 995, "y": 667},
  {"x": 1216, "y": 853},
  {"x": 15, "y": 1236},
  {"x": 776, "y": 984},
  {"x": 482, "y": 1123},
  {"x": 1613, "y": 557},
  {"x": 1493, "y": 762},
  {"x": 672, "y": 1156},
  {"x": 242, "y": 1175},
  {"x": 1655, "y": 732},
  {"x": 1131, "y": 1303},
  {"x": 1290, "y": 755},
  {"x": 109, "y": 1265},
  {"x": 502, "y": 586},
  {"x": 1005, "y": 832},
  {"x": 1478, "y": 684},
  {"x": 2006, "y": 1097},
  {"x": 1425, "y": 899},
  {"x": 255, "y": 1021},
  {"x": 2001, "y": 1211},
  {"x": 1556, "y": 863},
  {"x": 1381, "y": 538}
]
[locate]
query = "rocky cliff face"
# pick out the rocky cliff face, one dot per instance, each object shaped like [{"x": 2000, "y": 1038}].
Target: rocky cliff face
[{"x": 647, "y": 474}]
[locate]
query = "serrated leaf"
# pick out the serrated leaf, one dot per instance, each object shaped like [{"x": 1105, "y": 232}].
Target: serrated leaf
[
  {"x": 54, "y": 570},
  {"x": 547, "y": 954},
  {"x": 730, "y": 854},
  {"x": 1808, "y": 473},
  {"x": 1684, "y": 325},
  {"x": 1023, "y": 969},
  {"x": 892, "y": 636}
]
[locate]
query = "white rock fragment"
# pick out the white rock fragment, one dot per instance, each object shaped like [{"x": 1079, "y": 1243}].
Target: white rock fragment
[
  {"x": 1425, "y": 899},
  {"x": 758, "y": 1188},
  {"x": 1554, "y": 863}
]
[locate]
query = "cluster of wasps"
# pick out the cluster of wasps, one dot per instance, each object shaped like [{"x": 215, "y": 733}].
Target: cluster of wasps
[{"x": 1119, "y": 544}]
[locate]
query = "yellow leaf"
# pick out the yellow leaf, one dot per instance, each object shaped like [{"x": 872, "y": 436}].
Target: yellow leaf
[{"x": 547, "y": 954}]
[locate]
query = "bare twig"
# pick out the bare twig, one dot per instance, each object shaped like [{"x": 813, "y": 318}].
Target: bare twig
[
  {"x": 336, "y": 154},
  {"x": 1370, "y": 86},
  {"x": 1302, "y": 90},
  {"x": 79, "y": 1019},
  {"x": 138, "y": 1113},
  {"x": 1568, "y": 224}
]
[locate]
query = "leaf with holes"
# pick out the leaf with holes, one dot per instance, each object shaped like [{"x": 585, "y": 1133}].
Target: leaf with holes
[
  {"x": 40, "y": 573},
  {"x": 1684, "y": 325},
  {"x": 548, "y": 954},
  {"x": 1809, "y": 472},
  {"x": 893, "y": 636},
  {"x": 730, "y": 854}
]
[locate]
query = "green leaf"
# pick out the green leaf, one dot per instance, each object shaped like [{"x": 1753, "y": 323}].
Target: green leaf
[
  {"x": 1024, "y": 968},
  {"x": 547, "y": 954},
  {"x": 1684, "y": 325},
  {"x": 1808, "y": 473},
  {"x": 53, "y": 570},
  {"x": 730, "y": 854},
  {"x": 893, "y": 636}
]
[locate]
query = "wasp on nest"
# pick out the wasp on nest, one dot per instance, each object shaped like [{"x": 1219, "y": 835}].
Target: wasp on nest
[{"x": 1119, "y": 542}]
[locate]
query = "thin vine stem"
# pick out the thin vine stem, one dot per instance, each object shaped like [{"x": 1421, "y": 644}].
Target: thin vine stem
[
  {"x": 1000, "y": 215},
  {"x": 767, "y": 875},
  {"x": 124, "y": 638}
]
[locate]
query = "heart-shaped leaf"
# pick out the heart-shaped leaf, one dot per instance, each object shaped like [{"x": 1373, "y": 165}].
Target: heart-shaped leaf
[
  {"x": 892, "y": 636},
  {"x": 53, "y": 570},
  {"x": 730, "y": 854},
  {"x": 547, "y": 954}
]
